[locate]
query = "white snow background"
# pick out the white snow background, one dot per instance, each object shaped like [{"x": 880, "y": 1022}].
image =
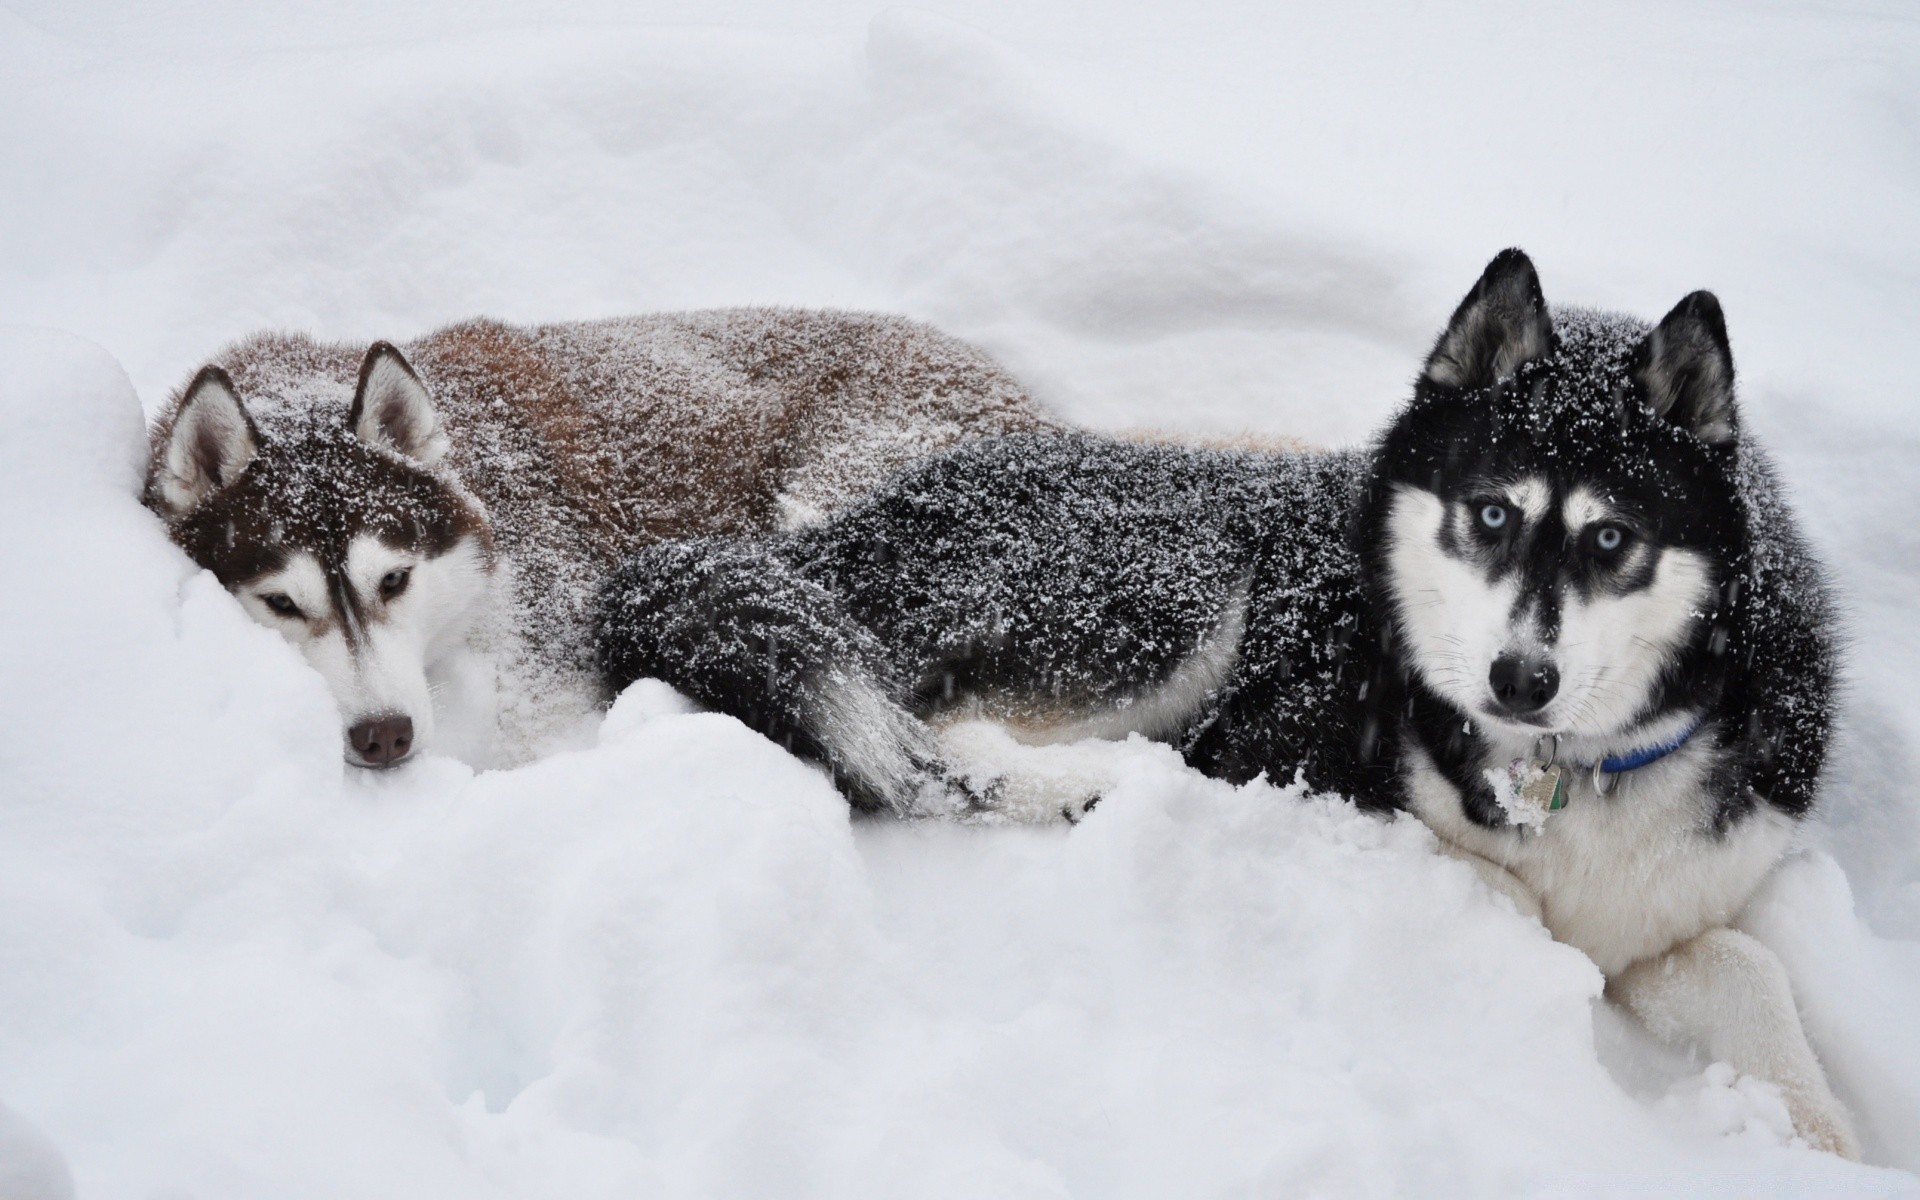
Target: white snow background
[{"x": 669, "y": 964}]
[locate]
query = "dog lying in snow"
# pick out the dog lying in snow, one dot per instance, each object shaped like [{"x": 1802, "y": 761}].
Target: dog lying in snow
[
  {"x": 390, "y": 511},
  {"x": 1559, "y": 611}
]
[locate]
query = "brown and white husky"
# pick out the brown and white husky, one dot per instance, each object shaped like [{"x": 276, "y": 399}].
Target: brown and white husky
[{"x": 430, "y": 523}]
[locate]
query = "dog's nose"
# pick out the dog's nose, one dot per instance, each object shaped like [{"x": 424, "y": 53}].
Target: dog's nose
[
  {"x": 1523, "y": 685},
  {"x": 382, "y": 741}
]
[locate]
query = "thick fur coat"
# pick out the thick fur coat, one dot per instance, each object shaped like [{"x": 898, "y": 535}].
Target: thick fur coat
[
  {"x": 1561, "y": 554},
  {"x": 388, "y": 509}
]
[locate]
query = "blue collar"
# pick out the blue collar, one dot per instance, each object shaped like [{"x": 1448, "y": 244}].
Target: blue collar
[{"x": 1635, "y": 759}]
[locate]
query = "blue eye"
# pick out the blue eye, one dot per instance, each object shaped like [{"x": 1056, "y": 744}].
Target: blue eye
[
  {"x": 1610, "y": 538},
  {"x": 1493, "y": 516}
]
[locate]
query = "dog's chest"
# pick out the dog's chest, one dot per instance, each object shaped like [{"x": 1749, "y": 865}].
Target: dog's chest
[{"x": 1627, "y": 875}]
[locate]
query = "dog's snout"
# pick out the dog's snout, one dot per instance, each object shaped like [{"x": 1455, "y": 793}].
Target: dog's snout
[
  {"x": 382, "y": 741},
  {"x": 1521, "y": 684}
]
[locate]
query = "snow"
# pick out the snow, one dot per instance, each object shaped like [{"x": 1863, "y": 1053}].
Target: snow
[{"x": 669, "y": 964}]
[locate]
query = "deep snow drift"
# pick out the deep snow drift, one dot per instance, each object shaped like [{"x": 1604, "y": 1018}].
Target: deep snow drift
[{"x": 669, "y": 964}]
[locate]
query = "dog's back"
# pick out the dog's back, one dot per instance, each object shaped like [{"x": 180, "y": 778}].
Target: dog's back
[
  {"x": 677, "y": 424},
  {"x": 588, "y": 440}
]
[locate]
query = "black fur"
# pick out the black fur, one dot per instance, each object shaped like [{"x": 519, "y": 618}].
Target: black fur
[
  {"x": 739, "y": 630},
  {"x": 1076, "y": 572}
]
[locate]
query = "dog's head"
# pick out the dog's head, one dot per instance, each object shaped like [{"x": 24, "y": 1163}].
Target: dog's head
[
  {"x": 1554, "y": 524},
  {"x": 340, "y": 528}
]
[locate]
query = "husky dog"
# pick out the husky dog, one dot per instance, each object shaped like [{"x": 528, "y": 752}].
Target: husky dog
[
  {"x": 372, "y": 507},
  {"x": 1558, "y": 611}
]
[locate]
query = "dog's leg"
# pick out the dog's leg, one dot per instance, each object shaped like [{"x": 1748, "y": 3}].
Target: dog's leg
[
  {"x": 1726, "y": 992},
  {"x": 1022, "y": 782},
  {"x": 1498, "y": 878},
  {"x": 738, "y": 630}
]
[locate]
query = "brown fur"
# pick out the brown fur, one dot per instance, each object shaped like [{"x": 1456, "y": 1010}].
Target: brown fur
[{"x": 582, "y": 442}]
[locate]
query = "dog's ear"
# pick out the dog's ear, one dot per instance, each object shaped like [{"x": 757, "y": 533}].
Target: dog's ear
[
  {"x": 211, "y": 441},
  {"x": 1500, "y": 326},
  {"x": 1685, "y": 370},
  {"x": 391, "y": 408}
]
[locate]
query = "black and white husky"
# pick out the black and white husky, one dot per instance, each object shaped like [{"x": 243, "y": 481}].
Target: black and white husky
[
  {"x": 1558, "y": 611},
  {"x": 431, "y": 525}
]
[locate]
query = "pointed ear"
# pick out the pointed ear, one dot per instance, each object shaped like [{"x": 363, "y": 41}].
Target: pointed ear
[
  {"x": 1500, "y": 326},
  {"x": 211, "y": 440},
  {"x": 1685, "y": 370},
  {"x": 391, "y": 408}
]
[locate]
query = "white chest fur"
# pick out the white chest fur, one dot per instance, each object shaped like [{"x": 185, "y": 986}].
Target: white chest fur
[{"x": 1626, "y": 875}]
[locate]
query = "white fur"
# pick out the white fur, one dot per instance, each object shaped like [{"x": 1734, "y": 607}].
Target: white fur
[
  {"x": 1583, "y": 508},
  {"x": 1717, "y": 989},
  {"x": 1035, "y": 770},
  {"x": 1627, "y": 875},
  {"x": 1641, "y": 883},
  {"x": 1531, "y": 497},
  {"x": 791, "y": 512},
  {"x": 1623, "y": 876},
  {"x": 384, "y": 669},
  {"x": 1609, "y": 650},
  {"x": 1028, "y": 782},
  {"x": 871, "y": 738},
  {"x": 1638, "y": 879},
  {"x": 884, "y": 746},
  {"x": 1730, "y": 994},
  {"x": 1456, "y": 622},
  {"x": 301, "y": 581}
]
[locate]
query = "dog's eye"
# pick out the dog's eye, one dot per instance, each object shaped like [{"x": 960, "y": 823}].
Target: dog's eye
[
  {"x": 394, "y": 582},
  {"x": 1493, "y": 516},
  {"x": 1609, "y": 539},
  {"x": 281, "y": 603}
]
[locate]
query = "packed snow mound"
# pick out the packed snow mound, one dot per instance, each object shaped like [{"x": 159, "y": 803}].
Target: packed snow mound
[
  {"x": 672, "y": 965},
  {"x": 31, "y": 1167}
]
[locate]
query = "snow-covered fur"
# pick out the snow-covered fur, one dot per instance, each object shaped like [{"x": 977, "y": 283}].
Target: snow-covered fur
[
  {"x": 1563, "y": 533},
  {"x": 391, "y": 511}
]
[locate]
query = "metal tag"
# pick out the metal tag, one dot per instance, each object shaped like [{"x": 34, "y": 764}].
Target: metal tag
[
  {"x": 1529, "y": 790},
  {"x": 1545, "y": 789}
]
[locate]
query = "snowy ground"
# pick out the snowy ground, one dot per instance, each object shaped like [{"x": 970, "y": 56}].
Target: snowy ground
[{"x": 670, "y": 964}]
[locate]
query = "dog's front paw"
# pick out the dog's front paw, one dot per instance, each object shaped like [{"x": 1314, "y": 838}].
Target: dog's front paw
[
  {"x": 1822, "y": 1120},
  {"x": 1042, "y": 797},
  {"x": 1028, "y": 784}
]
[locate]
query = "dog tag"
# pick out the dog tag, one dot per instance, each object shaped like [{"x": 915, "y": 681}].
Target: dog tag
[
  {"x": 1528, "y": 790},
  {"x": 1545, "y": 789}
]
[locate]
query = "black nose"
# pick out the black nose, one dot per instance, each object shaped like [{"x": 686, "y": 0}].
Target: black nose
[
  {"x": 1523, "y": 685},
  {"x": 382, "y": 741}
]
